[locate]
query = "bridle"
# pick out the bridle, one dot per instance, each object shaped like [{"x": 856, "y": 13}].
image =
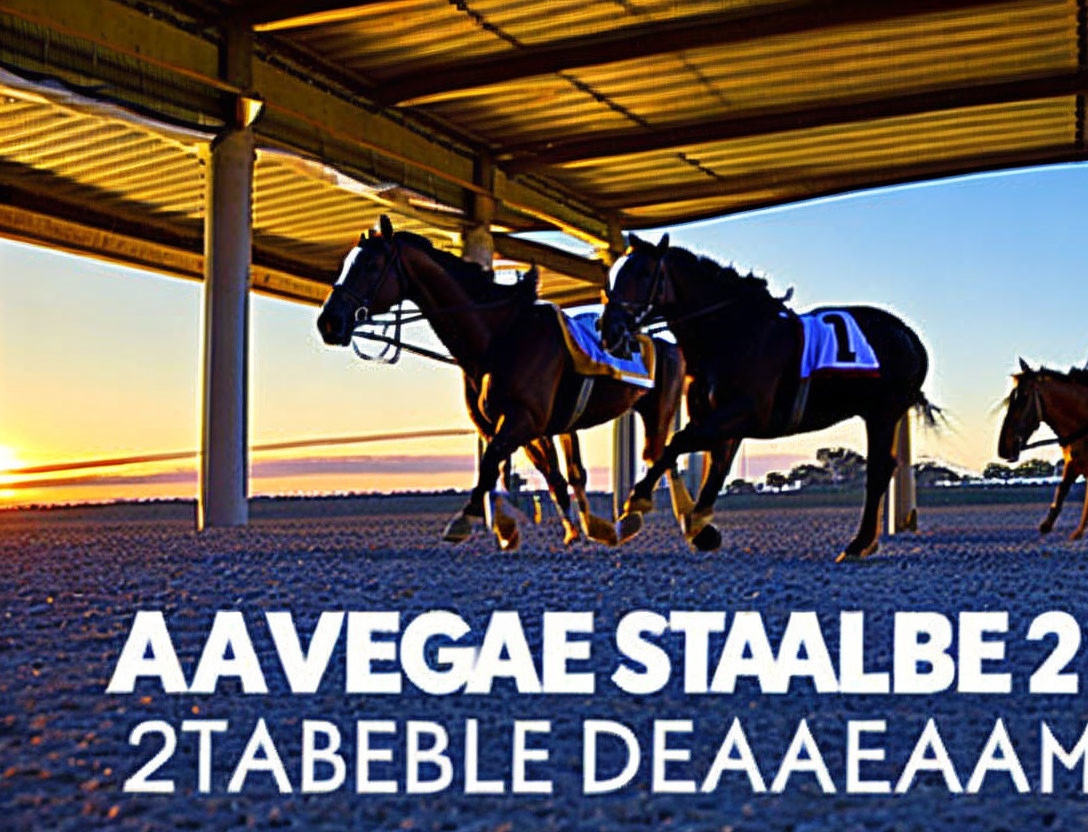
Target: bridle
[
  {"x": 394, "y": 343},
  {"x": 1040, "y": 413},
  {"x": 641, "y": 312},
  {"x": 390, "y": 353}
]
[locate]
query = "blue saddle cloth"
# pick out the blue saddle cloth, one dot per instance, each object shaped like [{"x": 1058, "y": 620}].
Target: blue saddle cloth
[
  {"x": 590, "y": 358},
  {"x": 834, "y": 343}
]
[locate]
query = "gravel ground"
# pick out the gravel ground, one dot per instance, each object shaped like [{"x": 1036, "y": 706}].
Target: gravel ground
[{"x": 70, "y": 582}]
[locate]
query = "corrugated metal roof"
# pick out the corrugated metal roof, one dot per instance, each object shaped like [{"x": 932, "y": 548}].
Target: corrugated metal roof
[
  {"x": 595, "y": 113},
  {"x": 303, "y": 211}
]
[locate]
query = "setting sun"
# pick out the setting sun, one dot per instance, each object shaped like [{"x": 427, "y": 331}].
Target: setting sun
[{"x": 8, "y": 459}]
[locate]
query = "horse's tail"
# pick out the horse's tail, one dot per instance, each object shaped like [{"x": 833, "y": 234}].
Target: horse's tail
[{"x": 931, "y": 415}]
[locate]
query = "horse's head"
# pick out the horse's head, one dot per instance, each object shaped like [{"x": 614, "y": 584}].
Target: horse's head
[
  {"x": 371, "y": 282},
  {"x": 641, "y": 288},
  {"x": 1024, "y": 414}
]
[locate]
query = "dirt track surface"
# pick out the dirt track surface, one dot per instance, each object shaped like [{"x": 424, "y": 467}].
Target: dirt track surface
[{"x": 71, "y": 581}]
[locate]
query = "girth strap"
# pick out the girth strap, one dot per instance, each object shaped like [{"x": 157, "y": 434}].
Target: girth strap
[{"x": 581, "y": 402}]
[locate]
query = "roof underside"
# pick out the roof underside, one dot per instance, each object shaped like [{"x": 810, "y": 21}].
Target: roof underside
[{"x": 577, "y": 115}]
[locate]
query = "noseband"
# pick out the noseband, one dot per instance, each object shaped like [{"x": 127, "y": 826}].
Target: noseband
[
  {"x": 390, "y": 353},
  {"x": 640, "y": 312}
]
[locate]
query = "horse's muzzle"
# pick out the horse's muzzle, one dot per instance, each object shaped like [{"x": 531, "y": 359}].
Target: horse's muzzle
[
  {"x": 335, "y": 329},
  {"x": 616, "y": 337}
]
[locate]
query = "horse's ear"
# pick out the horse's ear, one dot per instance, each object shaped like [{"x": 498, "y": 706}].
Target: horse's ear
[
  {"x": 1024, "y": 368},
  {"x": 366, "y": 235},
  {"x": 633, "y": 240},
  {"x": 663, "y": 244},
  {"x": 387, "y": 228}
]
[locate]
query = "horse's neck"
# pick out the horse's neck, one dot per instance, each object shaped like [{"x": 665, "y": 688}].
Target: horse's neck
[
  {"x": 1066, "y": 407},
  {"x": 463, "y": 326},
  {"x": 702, "y": 336}
]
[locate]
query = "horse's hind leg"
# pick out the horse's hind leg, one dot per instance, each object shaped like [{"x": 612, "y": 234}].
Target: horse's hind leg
[
  {"x": 516, "y": 430},
  {"x": 1078, "y": 533},
  {"x": 541, "y": 453},
  {"x": 594, "y": 527},
  {"x": 697, "y": 527},
  {"x": 880, "y": 467},
  {"x": 1069, "y": 476}
]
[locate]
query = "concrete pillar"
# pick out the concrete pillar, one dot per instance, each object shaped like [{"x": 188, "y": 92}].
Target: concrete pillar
[
  {"x": 477, "y": 244},
  {"x": 624, "y": 460},
  {"x": 901, "y": 506},
  {"x": 224, "y": 463},
  {"x": 624, "y": 455},
  {"x": 695, "y": 473}
]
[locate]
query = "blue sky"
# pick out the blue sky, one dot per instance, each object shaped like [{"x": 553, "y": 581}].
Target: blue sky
[{"x": 99, "y": 360}]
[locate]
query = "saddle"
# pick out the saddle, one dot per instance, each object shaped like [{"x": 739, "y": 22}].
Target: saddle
[
  {"x": 581, "y": 334},
  {"x": 832, "y": 344}
]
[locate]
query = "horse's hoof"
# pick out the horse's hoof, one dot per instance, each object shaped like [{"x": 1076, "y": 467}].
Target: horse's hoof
[
  {"x": 458, "y": 529},
  {"x": 695, "y": 522},
  {"x": 641, "y": 505},
  {"x": 629, "y": 525},
  {"x": 600, "y": 530},
  {"x": 850, "y": 555},
  {"x": 1076, "y": 536},
  {"x": 912, "y": 521},
  {"x": 1045, "y": 527},
  {"x": 570, "y": 536},
  {"x": 708, "y": 539},
  {"x": 506, "y": 530}
]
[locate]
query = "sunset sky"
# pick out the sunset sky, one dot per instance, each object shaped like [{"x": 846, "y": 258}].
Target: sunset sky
[{"x": 98, "y": 360}]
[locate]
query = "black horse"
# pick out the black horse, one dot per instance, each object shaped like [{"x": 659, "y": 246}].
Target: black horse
[{"x": 743, "y": 349}]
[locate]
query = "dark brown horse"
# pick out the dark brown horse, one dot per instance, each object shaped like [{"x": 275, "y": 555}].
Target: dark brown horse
[
  {"x": 1060, "y": 400},
  {"x": 743, "y": 349},
  {"x": 520, "y": 384}
]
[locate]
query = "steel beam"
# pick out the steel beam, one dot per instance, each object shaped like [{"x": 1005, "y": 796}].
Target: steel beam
[
  {"x": 656, "y": 37},
  {"x": 608, "y": 144},
  {"x": 593, "y": 272},
  {"x": 811, "y": 187}
]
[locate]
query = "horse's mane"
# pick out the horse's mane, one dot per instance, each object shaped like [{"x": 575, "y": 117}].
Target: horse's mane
[
  {"x": 1078, "y": 375},
  {"x": 477, "y": 281},
  {"x": 723, "y": 279}
]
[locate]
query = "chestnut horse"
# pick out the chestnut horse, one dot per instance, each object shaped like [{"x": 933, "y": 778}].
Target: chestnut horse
[
  {"x": 743, "y": 348},
  {"x": 1061, "y": 401},
  {"x": 520, "y": 384}
]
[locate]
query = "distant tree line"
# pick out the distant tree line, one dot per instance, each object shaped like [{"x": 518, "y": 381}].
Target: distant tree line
[{"x": 842, "y": 468}]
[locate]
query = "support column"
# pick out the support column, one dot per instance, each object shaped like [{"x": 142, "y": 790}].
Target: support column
[
  {"x": 477, "y": 244},
  {"x": 901, "y": 506},
  {"x": 623, "y": 460},
  {"x": 227, "y": 249},
  {"x": 624, "y": 456}
]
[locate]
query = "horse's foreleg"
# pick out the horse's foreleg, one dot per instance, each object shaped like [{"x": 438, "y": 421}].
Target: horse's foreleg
[
  {"x": 697, "y": 527},
  {"x": 879, "y": 469},
  {"x": 1069, "y": 476},
  {"x": 515, "y": 430},
  {"x": 595, "y": 528},
  {"x": 688, "y": 439},
  {"x": 541, "y": 453}
]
